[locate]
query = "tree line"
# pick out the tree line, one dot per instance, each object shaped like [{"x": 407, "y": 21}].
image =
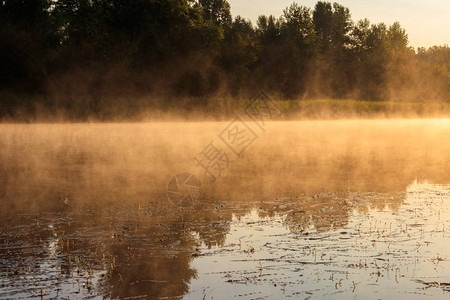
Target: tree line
[{"x": 195, "y": 48}]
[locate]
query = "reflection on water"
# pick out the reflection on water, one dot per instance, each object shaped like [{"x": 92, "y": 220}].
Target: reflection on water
[
  {"x": 320, "y": 209},
  {"x": 397, "y": 249}
]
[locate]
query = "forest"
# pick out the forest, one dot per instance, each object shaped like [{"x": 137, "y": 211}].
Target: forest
[{"x": 80, "y": 56}]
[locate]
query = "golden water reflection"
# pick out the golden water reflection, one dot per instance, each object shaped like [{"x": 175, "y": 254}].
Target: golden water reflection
[{"x": 324, "y": 208}]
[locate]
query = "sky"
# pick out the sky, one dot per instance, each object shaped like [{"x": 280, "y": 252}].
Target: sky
[{"x": 427, "y": 22}]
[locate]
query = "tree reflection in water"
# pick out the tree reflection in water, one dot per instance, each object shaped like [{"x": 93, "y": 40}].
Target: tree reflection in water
[{"x": 84, "y": 215}]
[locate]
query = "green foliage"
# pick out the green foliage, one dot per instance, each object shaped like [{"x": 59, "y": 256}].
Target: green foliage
[
  {"x": 216, "y": 10},
  {"x": 194, "y": 48},
  {"x": 435, "y": 63},
  {"x": 333, "y": 24},
  {"x": 298, "y": 26}
]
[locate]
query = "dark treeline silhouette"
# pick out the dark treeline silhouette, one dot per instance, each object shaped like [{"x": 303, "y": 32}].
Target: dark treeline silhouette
[{"x": 73, "y": 54}]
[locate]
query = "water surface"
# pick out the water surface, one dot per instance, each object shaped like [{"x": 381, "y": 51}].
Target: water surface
[{"x": 309, "y": 209}]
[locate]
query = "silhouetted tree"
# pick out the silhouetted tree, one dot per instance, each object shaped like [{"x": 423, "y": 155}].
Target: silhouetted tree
[
  {"x": 28, "y": 41},
  {"x": 217, "y": 10},
  {"x": 194, "y": 48},
  {"x": 333, "y": 25}
]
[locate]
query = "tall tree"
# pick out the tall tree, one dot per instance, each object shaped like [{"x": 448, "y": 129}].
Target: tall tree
[
  {"x": 238, "y": 55},
  {"x": 28, "y": 41},
  {"x": 298, "y": 25},
  {"x": 217, "y": 11},
  {"x": 333, "y": 24}
]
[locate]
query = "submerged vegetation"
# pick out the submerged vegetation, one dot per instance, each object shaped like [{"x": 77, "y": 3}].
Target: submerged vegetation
[
  {"x": 320, "y": 209},
  {"x": 259, "y": 207},
  {"x": 340, "y": 244},
  {"x": 74, "y": 59}
]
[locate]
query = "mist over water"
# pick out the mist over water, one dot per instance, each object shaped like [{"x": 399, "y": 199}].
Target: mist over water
[
  {"x": 85, "y": 211},
  {"x": 137, "y": 160},
  {"x": 100, "y": 164}
]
